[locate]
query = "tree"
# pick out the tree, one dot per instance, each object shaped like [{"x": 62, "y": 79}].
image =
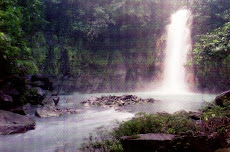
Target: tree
[{"x": 211, "y": 57}]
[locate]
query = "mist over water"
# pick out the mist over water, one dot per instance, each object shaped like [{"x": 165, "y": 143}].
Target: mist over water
[{"x": 178, "y": 45}]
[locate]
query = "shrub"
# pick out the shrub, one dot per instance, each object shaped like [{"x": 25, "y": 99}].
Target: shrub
[
  {"x": 177, "y": 123},
  {"x": 103, "y": 141}
]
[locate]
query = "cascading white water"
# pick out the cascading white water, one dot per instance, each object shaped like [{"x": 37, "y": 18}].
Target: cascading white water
[{"x": 178, "y": 46}]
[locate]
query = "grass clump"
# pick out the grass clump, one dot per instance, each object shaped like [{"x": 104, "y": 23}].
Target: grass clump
[
  {"x": 103, "y": 141},
  {"x": 177, "y": 123}
]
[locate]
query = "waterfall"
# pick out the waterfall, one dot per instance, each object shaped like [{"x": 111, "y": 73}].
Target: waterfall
[{"x": 178, "y": 46}]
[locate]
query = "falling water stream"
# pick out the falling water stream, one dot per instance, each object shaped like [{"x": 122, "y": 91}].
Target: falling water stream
[{"x": 178, "y": 46}]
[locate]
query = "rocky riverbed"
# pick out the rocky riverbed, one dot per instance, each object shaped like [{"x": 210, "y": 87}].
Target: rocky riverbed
[{"x": 116, "y": 101}]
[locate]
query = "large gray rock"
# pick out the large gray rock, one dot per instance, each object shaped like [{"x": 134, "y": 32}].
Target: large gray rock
[
  {"x": 14, "y": 123},
  {"x": 146, "y": 142},
  {"x": 223, "y": 99},
  {"x": 47, "y": 112}
]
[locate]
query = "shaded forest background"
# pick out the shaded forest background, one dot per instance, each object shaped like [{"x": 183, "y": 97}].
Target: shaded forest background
[{"x": 110, "y": 45}]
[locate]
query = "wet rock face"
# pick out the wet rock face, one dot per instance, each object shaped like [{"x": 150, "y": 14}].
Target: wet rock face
[
  {"x": 110, "y": 101},
  {"x": 14, "y": 123},
  {"x": 223, "y": 99}
]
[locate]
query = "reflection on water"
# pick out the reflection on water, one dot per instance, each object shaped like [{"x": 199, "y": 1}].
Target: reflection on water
[{"x": 67, "y": 132}]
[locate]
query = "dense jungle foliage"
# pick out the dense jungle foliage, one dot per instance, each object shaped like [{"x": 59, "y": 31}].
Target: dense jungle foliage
[{"x": 112, "y": 45}]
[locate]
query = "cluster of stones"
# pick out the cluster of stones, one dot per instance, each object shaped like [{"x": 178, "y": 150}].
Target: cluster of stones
[{"x": 113, "y": 101}]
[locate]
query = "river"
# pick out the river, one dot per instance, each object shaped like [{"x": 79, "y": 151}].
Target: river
[{"x": 67, "y": 132}]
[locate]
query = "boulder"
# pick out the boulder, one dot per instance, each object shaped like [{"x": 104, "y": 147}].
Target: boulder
[
  {"x": 223, "y": 99},
  {"x": 37, "y": 96},
  {"x": 14, "y": 123},
  {"x": 6, "y": 101},
  {"x": 47, "y": 112},
  {"x": 19, "y": 110},
  {"x": 33, "y": 89},
  {"x": 46, "y": 83},
  {"x": 195, "y": 115},
  {"x": 201, "y": 142},
  {"x": 22, "y": 110},
  {"x": 146, "y": 142}
]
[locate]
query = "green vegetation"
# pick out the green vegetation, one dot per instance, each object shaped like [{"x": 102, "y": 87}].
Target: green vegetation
[
  {"x": 81, "y": 40},
  {"x": 17, "y": 21},
  {"x": 102, "y": 141},
  {"x": 214, "y": 119},
  {"x": 211, "y": 111},
  {"x": 156, "y": 123},
  {"x": 211, "y": 57}
]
